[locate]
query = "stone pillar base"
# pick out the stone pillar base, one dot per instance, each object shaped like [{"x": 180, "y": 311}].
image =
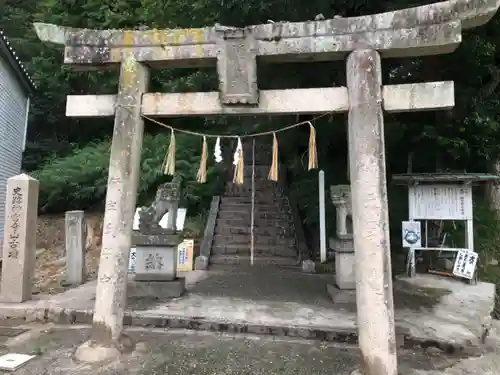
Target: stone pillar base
[
  {"x": 201, "y": 263},
  {"x": 157, "y": 289}
]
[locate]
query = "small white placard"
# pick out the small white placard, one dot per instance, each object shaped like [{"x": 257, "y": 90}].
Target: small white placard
[
  {"x": 132, "y": 260},
  {"x": 465, "y": 263},
  {"x": 12, "y": 361},
  {"x": 411, "y": 234}
]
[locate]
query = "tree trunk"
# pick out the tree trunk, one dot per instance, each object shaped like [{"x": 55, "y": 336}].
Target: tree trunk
[{"x": 493, "y": 188}]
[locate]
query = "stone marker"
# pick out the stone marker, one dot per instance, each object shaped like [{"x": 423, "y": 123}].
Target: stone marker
[
  {"x": 21, "y": 210},
  {"x": 75, "y": 247}
]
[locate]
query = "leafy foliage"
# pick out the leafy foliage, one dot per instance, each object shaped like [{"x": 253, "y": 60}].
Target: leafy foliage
[{"x": 79, "y": 180}]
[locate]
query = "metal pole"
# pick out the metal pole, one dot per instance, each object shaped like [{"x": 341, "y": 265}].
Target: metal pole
[{"x": 252, "y": 218}]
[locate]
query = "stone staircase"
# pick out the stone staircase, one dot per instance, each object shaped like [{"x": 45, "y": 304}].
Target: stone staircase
[{"x": 274, "y": 234}]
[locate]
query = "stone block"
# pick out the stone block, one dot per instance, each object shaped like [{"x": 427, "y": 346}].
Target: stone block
[
  {"x": 308, "y": 266},
  {"x": 75, "y": 237},
  {"x": 341, "y": 297},
  {"x": 345, "y": 276},
  {"x": 157, "y": 289},
  {"x": 155, "y": 263},
  {"x": 19, "y": 243},
  {"x": 201, "y": 263}
]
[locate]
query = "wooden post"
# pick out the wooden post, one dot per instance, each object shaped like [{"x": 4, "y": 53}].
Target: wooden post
[
  {"x": 322, "y": 225},
  {"x": 375, "y": 307},
  {"x": 124, "y": 168}
]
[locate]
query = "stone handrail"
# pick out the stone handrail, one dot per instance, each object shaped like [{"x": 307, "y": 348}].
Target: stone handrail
[
  {"x": 304, "y": 253},
  {"x": 202, "y": 261}
]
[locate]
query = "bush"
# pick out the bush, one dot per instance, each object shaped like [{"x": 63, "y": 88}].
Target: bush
[
  {"x": 486, "y": 240},
  {"x": 79, "y": 180}
]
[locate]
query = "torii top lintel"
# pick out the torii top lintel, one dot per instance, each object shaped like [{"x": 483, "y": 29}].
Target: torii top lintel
[{"x": 423, "y": 30}]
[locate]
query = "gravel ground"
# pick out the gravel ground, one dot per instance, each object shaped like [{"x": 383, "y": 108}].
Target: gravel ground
[{"x": 202, "y": 353}]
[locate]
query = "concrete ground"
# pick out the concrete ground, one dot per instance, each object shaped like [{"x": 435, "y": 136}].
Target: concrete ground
[
  {"x": 203, "y": 353},
  {"x": 284, "y": 302}
]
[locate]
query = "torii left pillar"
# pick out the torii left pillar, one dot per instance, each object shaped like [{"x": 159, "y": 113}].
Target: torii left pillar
[{"x": 107, "y": 339}]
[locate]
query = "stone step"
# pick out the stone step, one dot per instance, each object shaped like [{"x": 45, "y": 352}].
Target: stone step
[
  {"x": 244, "y": 260},
  {"x": 257, "y": 215},
  {"x": 246, "y": 207},
  {"x": 259, "y": 223},
  {"x": 242, "y": 249},
  {"x": 231, "y": 201},
  {"x": 244, "y": 239},
  {"x": 258, "y": 231},
  {"x": 259, "y": 197},
  {"x": 263, "y": 187}
]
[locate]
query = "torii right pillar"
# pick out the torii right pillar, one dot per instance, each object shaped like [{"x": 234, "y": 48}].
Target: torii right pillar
[{"x": 374, "y": 300}]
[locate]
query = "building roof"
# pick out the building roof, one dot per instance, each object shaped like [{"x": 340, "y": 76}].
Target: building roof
[
  {"x": 13, "y": 60},
  {"x": 444, "y": 177}
]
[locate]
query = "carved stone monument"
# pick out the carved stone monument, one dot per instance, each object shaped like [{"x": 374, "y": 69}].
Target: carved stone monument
[
  {"x": 75, "y": 235},
  {"x": 343, "y": 244},
  {"x": 156, "y": 247},
  {"x": 19, "y": 241}
]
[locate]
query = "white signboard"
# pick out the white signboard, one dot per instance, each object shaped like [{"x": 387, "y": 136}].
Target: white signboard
[
  {"x": 411, "y": 234},
  {"x": 465, "y": 264},
  {"x": 440, "y": 202}
]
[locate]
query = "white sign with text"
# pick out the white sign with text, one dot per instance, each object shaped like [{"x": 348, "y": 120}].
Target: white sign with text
[{"x": 465, "y": 263}]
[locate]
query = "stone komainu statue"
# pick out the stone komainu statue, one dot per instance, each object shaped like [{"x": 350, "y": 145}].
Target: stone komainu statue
[{"x": 167, "y": 199}]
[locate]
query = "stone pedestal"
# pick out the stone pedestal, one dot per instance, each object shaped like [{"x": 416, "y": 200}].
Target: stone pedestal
[
  {"x": 157, "y": 289},
  {"x": 343, "y": 244},
  {"x": 156, "y": 267},
  {"x": 345, "y": 277},
  {"x": 156, "y": 256}
]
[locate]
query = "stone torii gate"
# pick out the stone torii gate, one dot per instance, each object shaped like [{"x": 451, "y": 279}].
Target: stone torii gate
[{"x": 425, "y": 30}]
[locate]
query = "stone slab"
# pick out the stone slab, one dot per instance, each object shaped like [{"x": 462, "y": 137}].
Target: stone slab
[
  {"x": 139, "y": 239},
  {"x": 13, "y": 361},
  {"x": 157, "y": 289}
]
